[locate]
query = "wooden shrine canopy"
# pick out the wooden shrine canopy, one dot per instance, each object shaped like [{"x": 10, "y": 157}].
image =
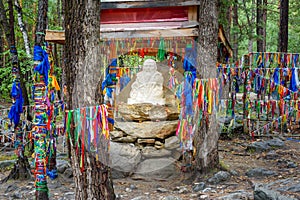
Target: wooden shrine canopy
[{"x": 121, "y": 19}]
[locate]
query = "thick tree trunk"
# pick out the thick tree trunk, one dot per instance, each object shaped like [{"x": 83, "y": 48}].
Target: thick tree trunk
[
  {"x": 264, "y": 31},
  {"x": 283, "y": 26},
  {"x": 261, "y": 21},
  {"x": 259, "y": 26},
  {"x": 206, "y": 139},
  {"x": 21, "y": 168},
  {"x": 40, "y": 88},
  {"x": 82, "y": 30}
]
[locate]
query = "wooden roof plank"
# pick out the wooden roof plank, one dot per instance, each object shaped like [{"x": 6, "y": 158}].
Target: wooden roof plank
[
  {"x": 111, "y": 4},
  {"x": 188, "y": 32},
  {"x": 59, "y": 36},
  {"x": 147, "y": 26}
]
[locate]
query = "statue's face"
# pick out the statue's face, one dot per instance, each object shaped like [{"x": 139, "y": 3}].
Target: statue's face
[{"x": 149, "y": 65}]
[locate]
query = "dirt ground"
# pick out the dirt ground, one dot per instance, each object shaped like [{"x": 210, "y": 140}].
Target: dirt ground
[{"x": 233, "y": 157}]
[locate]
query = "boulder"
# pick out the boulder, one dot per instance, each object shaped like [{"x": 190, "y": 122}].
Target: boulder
[
  {"x": 219, "y": 177},
  {"x": 275, "y": 142},
  {"x": 116, "y": 134},
  {"x": 236, "y": 195},
  {"x": 266, "y": 145},
  {"x": 157, "y": 169},
  {"x": 259, "y": 172},
  {"x": 262, "y": 193},
  {"x": 147, "y": 111},
  {"x": 124, "y": 157},
  {"x": 148, "y": 129},
  {"x": 172, "y": 142},
  {"x": 151, "y": 152}
]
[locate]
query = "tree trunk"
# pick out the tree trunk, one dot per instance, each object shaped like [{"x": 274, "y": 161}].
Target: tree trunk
[
  {"x": 40, "y": 91},
  {"x": 261, "y": 22},
  {"x": 1, "y": 48},
  {"x": 224, "y": 15},
  {"x": 283, "y": 26},
  {"x": 22, "y": 27},
  {"x": 82, "y": 30},
  {"x": 264, "y": 31},
  {"x": 235, "y": 34},
  {"x": 21, "y": 168},
  {"x": 259, "y": 26},
  {"x": 206, "y": 139}
]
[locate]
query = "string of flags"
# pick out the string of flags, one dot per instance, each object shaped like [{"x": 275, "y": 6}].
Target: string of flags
[
  {"x": 91, "y": 131},
  {"x": 199, "y": 98}
]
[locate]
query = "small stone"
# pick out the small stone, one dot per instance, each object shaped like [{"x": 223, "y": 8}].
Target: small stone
[
  {"x": 291, "y": 165},
  {"x": 206, "y": 190},
  {"x": 128, "y": 190},
  {"x": 234, "y": 173},
  {"x": 146, "y": 141},
  {"x": 69, "y": 193},
  {"x": 194, "y": 195},
  {"x": 272, "y": 155},
  {"x": 158, "y": 145},
  {"x": 127, "y": 139},
  {"x": 198, "y": 186},
  {"x": 133, "y": 187},
  {"x": 203, "y": 196},
  {"x": 162, "y": 190},
  {"x": 183, "y": 190},
  {"x": 171, "y": 198},
  {"x": 140, "y": 198}
]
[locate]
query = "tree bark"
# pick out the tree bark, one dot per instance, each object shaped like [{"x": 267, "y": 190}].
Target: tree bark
[
  {"x": 283, "y": 26},
  {"x": 264, "y": 31},
  {"x": 23, "y": 27},
  {"x": 1, "y": 48},
  {"x": 82, "y": 30},
  {"x": 206, "y": 139},
  {"x": 21, "y": 168},
  {"x": 235, "y": 34},
  {"x": 40, "y": 87},
  {"x": 261, "y": 22},
  {"x": 259, "y": 26}
]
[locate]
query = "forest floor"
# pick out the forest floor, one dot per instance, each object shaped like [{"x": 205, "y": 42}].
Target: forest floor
[{"x": 283, "y": 162}]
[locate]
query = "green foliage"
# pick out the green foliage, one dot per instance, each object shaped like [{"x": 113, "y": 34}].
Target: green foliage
[
  {"x": 6, "y": 79},
  {"x": 247, "y": 31}
]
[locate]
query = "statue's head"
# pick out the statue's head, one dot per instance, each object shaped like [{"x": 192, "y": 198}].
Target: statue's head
[{"x": 149, "y": 65}]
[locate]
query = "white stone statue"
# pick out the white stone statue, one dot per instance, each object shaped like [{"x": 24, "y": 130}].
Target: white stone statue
[{"x": 148, "y": 86}]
